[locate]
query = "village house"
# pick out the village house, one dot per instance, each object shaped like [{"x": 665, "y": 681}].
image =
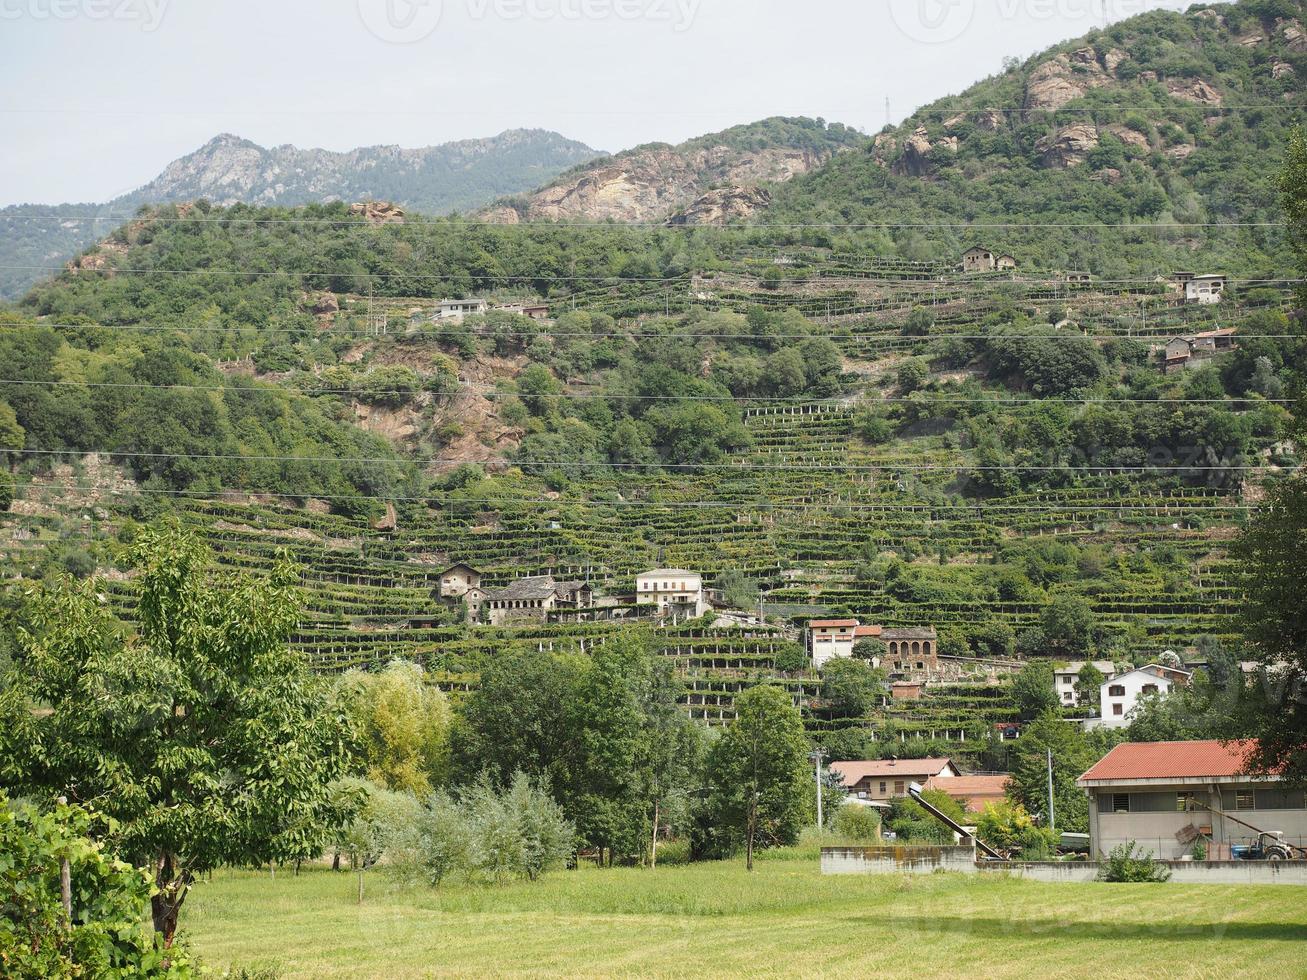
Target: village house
[
  {"x": 1204, "y": 290},
  {"x": 829, "y": 639},
  {"x": 974, "y": 793},
  {"x": 1169, "y": 796},
  {"x": 457, "y": 309},
  {"x": 1078, "y": 276},
  {"x": 535, "y": 312},
  {"x": 1183, "y": 352},
  {"x": 888, "y": 779},
  {"x": 1067, "y": 676},
  {"x": 1120, "y": 695},
  {"x": 979, "y": 259},
  {"x": 911, "y": 650},
  {"x": 532, "y": 600},
  {"x": 461, "y": 583},
  {"x": 674, "y": 591},
  {"x": 1005, "y": 262}
]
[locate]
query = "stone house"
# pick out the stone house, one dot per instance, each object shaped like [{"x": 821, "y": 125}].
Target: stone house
[
  {"x": 979, "y": 259},
  {"x": 911, "y": 650},
  {"x": 1204, "y": 290},
  {"x": 533, "y": 599}
]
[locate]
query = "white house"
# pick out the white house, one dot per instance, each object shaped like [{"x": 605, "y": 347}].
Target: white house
[
  {"x": 1066, "y": 676},
  {"x": 1168, "y": 796},
  {"x": 831, "y": 638},
  {"x": 675, "y": 591},
  {"x": 457, "y": 309},
  {"x": 1121, "y": 694},
  {"x": 1204, "y": 290}
]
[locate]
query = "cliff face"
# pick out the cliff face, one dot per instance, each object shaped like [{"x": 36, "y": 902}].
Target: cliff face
[{"x": 709, "y": 180}]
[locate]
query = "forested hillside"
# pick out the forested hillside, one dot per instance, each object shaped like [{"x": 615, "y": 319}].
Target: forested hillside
[
  {"x": 825, "y": 419},
  {"x": 230, "y": 170}
]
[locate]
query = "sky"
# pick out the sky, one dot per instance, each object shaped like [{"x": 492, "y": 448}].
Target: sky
[{"x": 99, "y": 95}]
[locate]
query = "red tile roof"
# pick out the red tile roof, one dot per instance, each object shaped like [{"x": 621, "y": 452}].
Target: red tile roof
[
  {"x": 976, "y": 790},
  {"x": 854, "y": 772},
  {"x": 868, "y": 631},
  {"x": 1171, "y": 760},
  {"x": 832, "y": 623}
]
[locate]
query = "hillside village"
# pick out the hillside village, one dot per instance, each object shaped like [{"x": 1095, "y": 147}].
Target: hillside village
[{"x": 700, "y": 533}]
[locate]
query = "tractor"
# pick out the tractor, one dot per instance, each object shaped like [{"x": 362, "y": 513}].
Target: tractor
[{"x": 1266, "y": 847}]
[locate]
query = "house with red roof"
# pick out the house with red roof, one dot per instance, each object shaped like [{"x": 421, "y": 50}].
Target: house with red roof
[
  {"x": 1171, "y": 796},
  {"x": 831, "y": 638},
  {"x": 975, "y": 792},
  {"x": 888, "y": 779}
]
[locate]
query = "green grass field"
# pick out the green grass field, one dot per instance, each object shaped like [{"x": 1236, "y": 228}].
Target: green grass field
[{"x": 716, "y": 919}]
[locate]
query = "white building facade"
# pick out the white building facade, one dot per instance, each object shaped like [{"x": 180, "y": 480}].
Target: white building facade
[
  {"x": 1065, "y": 679},
  {"x": 1120, "y": 695},
  {"x": 675, "y": 591}
]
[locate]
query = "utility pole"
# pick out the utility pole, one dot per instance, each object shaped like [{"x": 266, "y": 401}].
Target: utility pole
[
  {"x": 1052, "y": 818},
  {"x": 816, "y": 756}
]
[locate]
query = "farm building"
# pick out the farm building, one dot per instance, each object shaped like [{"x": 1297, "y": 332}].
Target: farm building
[
  {"x": 910, "y": 650},
  {"x": 829, "y": 639},
  {"x": 532, "y": 599},
  {"x": 887, "y": 779},
  {"x": 1005, "y": 262},
  {"x": 979, "y": 259},
  {"x": 1169, "y": 796}
]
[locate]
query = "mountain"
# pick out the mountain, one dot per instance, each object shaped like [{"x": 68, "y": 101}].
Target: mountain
[
  {"x": 231, "y": 170},
  {"x": 708, "y": 180},
  {"x": 1161, "y": 118}
]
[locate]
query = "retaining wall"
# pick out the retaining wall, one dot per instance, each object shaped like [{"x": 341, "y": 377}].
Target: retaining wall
[{"x": 906, "y": 859}]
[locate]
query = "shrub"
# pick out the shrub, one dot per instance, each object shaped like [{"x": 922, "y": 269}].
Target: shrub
[
  {"x": 1125, "y": 865},
  {"x": 439, "y": 843},
  {"x": 518, "y": 833},
  {"x": 1008, "y": 827},
  {"x": 857, "y": 823}
]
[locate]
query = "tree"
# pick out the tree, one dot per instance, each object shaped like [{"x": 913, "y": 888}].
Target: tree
[
  {"x": 7, "y": 492},
  {"x": 202, "y": 735},
  {"x": 851, "y": 687},
  {"x": 99, "y": 934},
  {"x": 1073, "y": 755},
  {"x": 912, "y": 375},
  {"x": 403, "y": 724},
  {"x": 758, "y": 772},
  {"x": 12, "y": 435},
  {"x": 1089, "y": 687},
  {"x": 738, "y": 591},
  {"x": 1008, "y": 827},
  {"x": 1033, "y": 689},
  {"x": 1068, "y": 626},
  {"x": 870, "y": 651},
  {"x": 911, "y": 822},
  {"x": 671, "y": 757}
]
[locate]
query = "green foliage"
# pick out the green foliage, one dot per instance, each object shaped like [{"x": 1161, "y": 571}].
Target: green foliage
[
  {"x": 105, "y": 937},
  {"x": 403, "y": 724},
  {"x": 738, "y": 591},
  {"x": 1033, "y": 691},
  {"x": 1068, "y": 626},
  {"x": 201, "y": 734},
  {"x": 857, "y": 823},
  {"x": 1008, "y": 827},
  {"x": 851, "y": 687},
  {"x": 1126, "y": 864},
  {"x": 1073, "y": 755},
  {"x": 758, "y": 776},
  {"x": 910, "y": 821},
  {"x": 519, "y": 832}
]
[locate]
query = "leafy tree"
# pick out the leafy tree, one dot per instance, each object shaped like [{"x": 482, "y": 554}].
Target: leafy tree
[
  {"x": 7, "y": 491},
  {"x": 201, "y": 735},
  {"x": 738, "y": 591},
  {"x": 669, "y": 765},
  {"x": 403, "y": 724},
  {"x": 851, "y": 687},
  {"x": 1068, "y": 626},
  {"x": 1089, "y": 687},
  {"x": 758, "y": 773},
  {"x": 870, "y": 651},
  {"x": 103, "y": 937},
  {"x": 1008, "y": 827},
  {"x": 1033, "y": 689},
  {"x": 12, "y": 435},
  {"x": 910, "y": 821},
  {"x": 912, "y": 375},
  {"x": 439, "y": 843},
  {"x": 520, "y": 832},
  {"x": 1073, "y": 755},
  {"x": 857, "y": 823}
]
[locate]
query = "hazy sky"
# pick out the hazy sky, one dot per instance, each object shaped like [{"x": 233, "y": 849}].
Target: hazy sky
[{"x": 99, "y": 95}]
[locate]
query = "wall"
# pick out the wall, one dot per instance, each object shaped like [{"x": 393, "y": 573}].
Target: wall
[{"x": 890, "y": 859}]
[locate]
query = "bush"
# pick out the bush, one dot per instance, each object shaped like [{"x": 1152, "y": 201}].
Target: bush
[
  {"x": 1125, "y": 865},
  {"x": 106, "y": 936},
  {"x": 518, "y": 833},
  {"x": 1008, "y": 827},
  {"x": 857, "y": 823}
]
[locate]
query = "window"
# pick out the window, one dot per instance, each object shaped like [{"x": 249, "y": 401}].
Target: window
[
  {"x": 1279, "y": 799},
  {"x": 1120, "y": 802},
  {"x": 1245, "y": 801},
  {"x": 1184, "y": 802},
  {"x": 1116, "y": 691},
  {"x": 1150, "y": 688},
  {"x": 882, "y": 786},
  {"x": 898, "y": 787},
  {"x": 1118, "y": 709}
]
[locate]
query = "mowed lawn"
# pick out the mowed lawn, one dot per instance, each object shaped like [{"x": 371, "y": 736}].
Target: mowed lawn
[{"x": 716, "y": 919}]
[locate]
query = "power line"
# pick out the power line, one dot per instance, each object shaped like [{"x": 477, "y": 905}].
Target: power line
[
  {"x": 632, "y": 396},
  {"x": 1105, "y": 469}
]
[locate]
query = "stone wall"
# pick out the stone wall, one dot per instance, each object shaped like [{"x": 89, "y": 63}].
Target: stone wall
[{"x": 897, "y": 859}]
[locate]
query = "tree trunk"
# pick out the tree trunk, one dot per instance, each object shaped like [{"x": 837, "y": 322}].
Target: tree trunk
[
  {"x": 653, "y": 844},
  {"x": 360, "y": 883},
  {"x": 335, "y": 861},
  {"x": 752, "y": 823},
  {"x": 172, "y": 883},
  {"x": 66, "y": 891}
]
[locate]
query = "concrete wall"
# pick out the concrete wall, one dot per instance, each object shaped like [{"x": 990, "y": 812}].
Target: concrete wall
[
  {"x": 891, "y": 859},
  {"x": 1182, "y": 872}
]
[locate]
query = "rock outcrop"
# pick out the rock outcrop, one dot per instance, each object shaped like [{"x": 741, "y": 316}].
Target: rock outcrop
[
  {"x": 378, "y": 212},
  {"x": 1069, "y": 146},
  {"x": 722, "y": 206},
  {"x": 1196, "y": 91},
  {"x": 1064, "y": 79}
]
